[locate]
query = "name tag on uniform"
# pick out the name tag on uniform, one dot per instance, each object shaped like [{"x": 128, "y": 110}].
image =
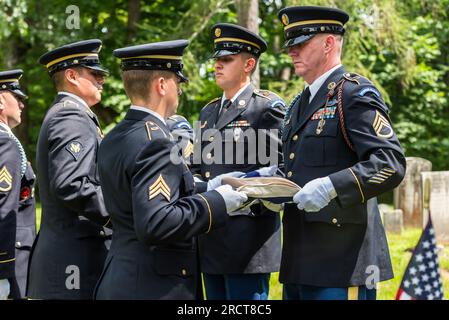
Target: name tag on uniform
[
  {"x": 240, "y": 123},
  {"x": 325, "y": 113}
]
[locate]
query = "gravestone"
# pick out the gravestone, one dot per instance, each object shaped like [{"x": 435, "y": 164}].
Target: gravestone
[
  {"x": 392, "y": 219},
  {"x": 435, "y": 199},
  {"x": 408, "y": 195}
]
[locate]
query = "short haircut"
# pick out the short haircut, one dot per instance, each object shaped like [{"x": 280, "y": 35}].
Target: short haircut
[{"x": 136, "y": 82}]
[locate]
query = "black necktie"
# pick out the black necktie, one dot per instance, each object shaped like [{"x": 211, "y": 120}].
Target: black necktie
[
  {"x": 226, "y": 104},
  {"x": 304, "y": 102}
]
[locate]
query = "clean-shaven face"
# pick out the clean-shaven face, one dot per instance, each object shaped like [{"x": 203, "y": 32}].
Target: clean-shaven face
[{"x": 229, "y": 70}]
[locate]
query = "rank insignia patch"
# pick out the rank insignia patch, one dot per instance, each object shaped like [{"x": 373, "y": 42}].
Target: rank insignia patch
[
  {"x": 188, "y": 150},
  {"x": 324, "y": 113},
  {"x": 159, "y": 187},
  {"x": 74, "y": 148},
  {"x": 5, "y": 180},
  {"x": 382, "y": 127},
  {"x": 381, "y": 176}
]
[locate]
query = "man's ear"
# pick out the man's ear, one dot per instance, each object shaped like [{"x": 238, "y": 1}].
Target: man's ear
[
  {"x": 250, "y": 64},
  {"x": 160, "y": 85},
  {"x": 71, "y": 76},
  {"x": 2, "y": 102},
  {"x": 329, "y": 43}
]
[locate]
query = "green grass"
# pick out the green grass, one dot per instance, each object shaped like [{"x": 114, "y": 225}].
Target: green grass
[{"x": 400, "y": 257}]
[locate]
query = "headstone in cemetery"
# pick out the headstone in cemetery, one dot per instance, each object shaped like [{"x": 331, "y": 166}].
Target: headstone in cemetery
[
  {"x": 393, "y": 221},
  {"x": 435, "y": 199},
  {"x": 408, "y": 195}
]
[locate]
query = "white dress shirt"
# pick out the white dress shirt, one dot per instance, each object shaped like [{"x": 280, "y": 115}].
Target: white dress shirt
[{"x": 316, "y": 85}]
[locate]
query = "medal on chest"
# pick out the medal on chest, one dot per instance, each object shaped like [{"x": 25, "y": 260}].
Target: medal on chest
[{"x": 320, "y": 126}]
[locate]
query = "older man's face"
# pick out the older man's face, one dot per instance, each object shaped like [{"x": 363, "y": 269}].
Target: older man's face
[{"x": 307, "y": 57}]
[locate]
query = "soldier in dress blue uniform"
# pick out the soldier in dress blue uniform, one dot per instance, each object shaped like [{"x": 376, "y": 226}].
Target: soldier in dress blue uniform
[
  {"x": 17, "y": 204},
  {"x": 237, "y": 260},
  {"x": 340, "y": 147},
  {"x": 148, "y": 187},
  {"x": 71, "y": 247}
]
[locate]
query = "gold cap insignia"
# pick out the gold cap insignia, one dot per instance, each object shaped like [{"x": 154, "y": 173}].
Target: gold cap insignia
[
  {"x": 285, "y": 19},
  {"x": 168, "y": 65},
  {"x": 217, "y": 32},
  {"x": 5, "y": 180},
  {"x": 159, "y": 187},
  {"x": 382, "y": 126}
]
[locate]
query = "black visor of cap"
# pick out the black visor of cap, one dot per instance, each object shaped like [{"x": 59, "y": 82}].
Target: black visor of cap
[
  {"x": 97, "y": 67},
  {"x": 15, "y": 88},
  {"x": 20, "y": 93},
  {"x": 223, "y": 53},
  {"x": 295, "y": 37}
]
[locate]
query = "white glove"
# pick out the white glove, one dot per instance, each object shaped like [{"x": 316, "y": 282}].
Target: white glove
[
  {"x": 212, "y": 184},
  {"x": 4, "y": 289},
  {"x": 315, "y": 195},
  {"x": 233, "y": 199}
]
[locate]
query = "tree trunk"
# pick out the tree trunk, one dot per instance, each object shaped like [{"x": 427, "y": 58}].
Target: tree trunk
[
  {"x": 248, "y": 16},
  {"x": 10, "y": 60},
  {"x": 133, "y": 18}
]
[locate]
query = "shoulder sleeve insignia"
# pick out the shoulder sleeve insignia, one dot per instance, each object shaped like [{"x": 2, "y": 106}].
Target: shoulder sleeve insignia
[
  {"x": 5, "y": 180},
  {"x": 278, "y": 103},
  {"x": 159, "y": 187},
  {"x": 183, "y": 125},
  {"x": 369, "y": 89},
  {"x": 382, "y": 127},
  {"x": 74, "y": 148}
]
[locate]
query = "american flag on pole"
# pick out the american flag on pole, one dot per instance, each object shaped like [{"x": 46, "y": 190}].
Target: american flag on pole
[{"x": 422, "y": 278}]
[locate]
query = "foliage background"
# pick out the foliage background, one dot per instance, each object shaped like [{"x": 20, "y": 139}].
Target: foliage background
[{"x": 402, "y": 46}]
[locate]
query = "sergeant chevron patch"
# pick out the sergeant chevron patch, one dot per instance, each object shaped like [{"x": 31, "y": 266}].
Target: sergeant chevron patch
[
  {"x": 5, "y": 180},
  {"x": 188, "y": 150},
  {"x": 382, "y": 127},
  {"x": 159, "y": 187},
  {"x": 381, "y": 176}
]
